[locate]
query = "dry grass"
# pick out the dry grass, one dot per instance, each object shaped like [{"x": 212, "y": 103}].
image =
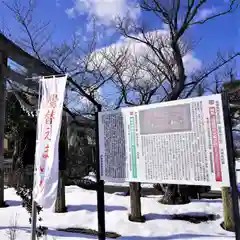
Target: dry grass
[{"x": 13, "y": 228}]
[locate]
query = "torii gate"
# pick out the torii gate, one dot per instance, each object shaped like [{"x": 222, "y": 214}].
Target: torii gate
[{"x": 9, "y": 50}]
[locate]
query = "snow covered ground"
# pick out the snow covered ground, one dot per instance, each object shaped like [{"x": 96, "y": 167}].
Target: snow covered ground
[{"x": 82, "y": 213}]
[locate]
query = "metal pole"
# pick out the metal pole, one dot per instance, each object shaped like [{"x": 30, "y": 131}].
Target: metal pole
[
  {"x": 34, "y": 209},
  {"x": 34, "y": 204},
  {"x": 100, "y": 189},
  {"x": 34, "y": 220},
  {"x": 231, "y": 163}
]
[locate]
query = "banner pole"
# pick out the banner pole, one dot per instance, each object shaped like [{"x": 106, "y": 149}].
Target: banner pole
[
  {"x": 100, "y": 188},
  {"x": 231, "y": 163},
  {"x": 34, "y": 204},
  {"x": 34, "y": 220}
]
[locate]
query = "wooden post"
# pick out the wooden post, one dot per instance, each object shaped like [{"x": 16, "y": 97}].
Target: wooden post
[
  {"x": 60, "y": 205},
  {"x": 3, "y": 65},
  {"x": 227, "y": 209},
  {"x": 135, "y": 202}
]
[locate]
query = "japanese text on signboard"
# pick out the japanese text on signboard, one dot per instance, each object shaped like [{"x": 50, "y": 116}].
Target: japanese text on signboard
[{"x": 48, "y": 120}]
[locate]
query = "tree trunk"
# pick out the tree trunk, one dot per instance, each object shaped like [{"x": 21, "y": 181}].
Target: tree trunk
[
  {"x": 135, "y": 202},
  {"x": 161, "y": 188},
  {"x": 3, "y": 64},
  {"x": 227, "y": 209},
  {"x": 18, "y": 151},
  {"x": 175, "y": 194},
  {"x": 15, "y": 154},
  {"x": 170, "y": 195}
]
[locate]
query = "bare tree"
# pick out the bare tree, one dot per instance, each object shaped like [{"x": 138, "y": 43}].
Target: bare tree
[
  {"x": 162, "y": 62},
  {"x": 34, "y": 36},
  {"x": 86, "y": 67},
  {"x": 165, "y": 55}
]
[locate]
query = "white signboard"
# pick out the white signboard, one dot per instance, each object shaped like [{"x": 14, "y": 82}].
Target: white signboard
[
  {"x": 177, "y": 142},
  {"x": 48, "y": 132}
]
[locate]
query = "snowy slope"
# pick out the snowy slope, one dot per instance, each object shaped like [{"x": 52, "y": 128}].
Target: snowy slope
[{"x": 82, "y": 213}]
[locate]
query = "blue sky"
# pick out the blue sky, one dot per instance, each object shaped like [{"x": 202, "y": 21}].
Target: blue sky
[
  {"x": 69, "y": 16},
  {"x": 220, "y": 34}
]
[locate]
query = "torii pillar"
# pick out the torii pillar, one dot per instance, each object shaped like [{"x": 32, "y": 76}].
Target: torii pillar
[{"x": 3, "y": 66}]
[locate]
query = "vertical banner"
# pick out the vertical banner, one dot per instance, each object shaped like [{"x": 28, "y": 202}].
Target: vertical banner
[{"x": 48, "y": 134}]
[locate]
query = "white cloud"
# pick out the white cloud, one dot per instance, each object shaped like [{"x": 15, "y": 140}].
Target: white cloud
[
  {"x": 139, "y": 51},
  {"x": 205, "y": 13},
  {"x": 191, "y": 63},
  {"x": 105, "y": 11},
  {"x": 70, "y": 12}
]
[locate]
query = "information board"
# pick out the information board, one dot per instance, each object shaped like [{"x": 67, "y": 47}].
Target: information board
[{"x": 177, "y": 142}]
